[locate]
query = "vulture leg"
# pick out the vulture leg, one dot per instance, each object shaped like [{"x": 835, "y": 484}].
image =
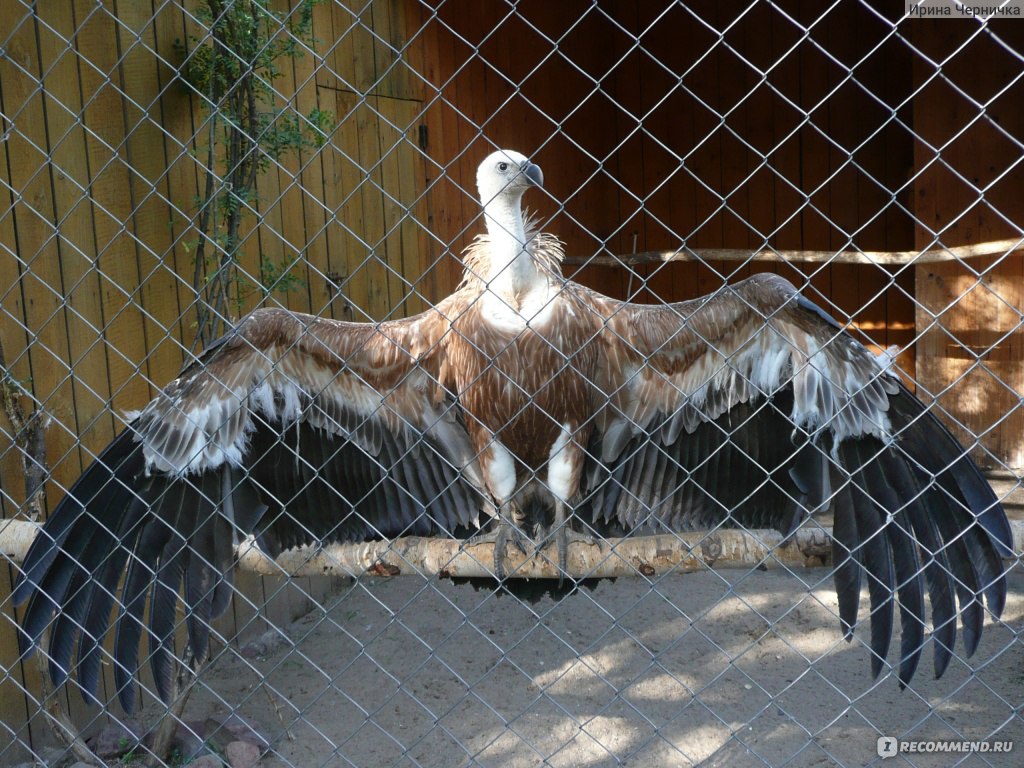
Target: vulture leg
[
  {"x": 564, "y": 535},
  {"x": 505, "y": 531},
  {"x": 561, "y": 526}
]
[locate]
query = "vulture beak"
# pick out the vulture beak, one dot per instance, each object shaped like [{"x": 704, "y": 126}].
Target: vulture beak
[{"x": 534, "y": 175}]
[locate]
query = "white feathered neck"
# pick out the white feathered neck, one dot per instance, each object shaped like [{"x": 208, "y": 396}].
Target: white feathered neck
[{"x": 502, "y": 261}]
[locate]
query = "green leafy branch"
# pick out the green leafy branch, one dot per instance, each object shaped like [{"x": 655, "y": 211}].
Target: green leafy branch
[{"x": 234, "y": 65}]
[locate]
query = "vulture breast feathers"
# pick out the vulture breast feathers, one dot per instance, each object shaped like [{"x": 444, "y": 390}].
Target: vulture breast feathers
[{"x": 534, "y": 401}]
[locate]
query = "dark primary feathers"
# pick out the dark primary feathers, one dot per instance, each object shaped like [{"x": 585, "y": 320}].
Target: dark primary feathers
[{"x": 749, "y": 407}]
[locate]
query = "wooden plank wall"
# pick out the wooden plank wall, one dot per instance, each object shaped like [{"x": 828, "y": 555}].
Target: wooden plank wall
[
  {"x": 653, "y": 134},
  {"x": 970, "y": 313},
  {"x": 98, "y": 186}
]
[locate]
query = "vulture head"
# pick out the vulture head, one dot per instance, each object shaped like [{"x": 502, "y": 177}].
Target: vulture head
[{"x": 506, "y": 174}]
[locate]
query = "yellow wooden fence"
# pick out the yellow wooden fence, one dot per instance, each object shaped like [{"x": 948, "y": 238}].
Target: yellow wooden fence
[{"x": 100, "y": 173}]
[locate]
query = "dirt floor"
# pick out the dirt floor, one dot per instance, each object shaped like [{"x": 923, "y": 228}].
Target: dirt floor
[
  {"x": 730, "y": 669},
  {"x": 726, "y": 668}
]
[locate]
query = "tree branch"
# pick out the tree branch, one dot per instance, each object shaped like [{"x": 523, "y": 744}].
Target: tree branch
[{"x": 810, "y": 546}]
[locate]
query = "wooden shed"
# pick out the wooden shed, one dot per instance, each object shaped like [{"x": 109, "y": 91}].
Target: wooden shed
[
  {"x": 864, "y": 161},
  {"x": 861, "y": 158},
  {"x": 873, "y": 165}
]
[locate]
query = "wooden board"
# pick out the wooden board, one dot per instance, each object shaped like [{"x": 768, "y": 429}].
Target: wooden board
[
  {"x": 38, "y": 247},
  {"x": 179, "y": 116},
  {"x": 970, "y": 350},
  {"x": 147, "y": 142},
  {"x": 309, "y": 181}
]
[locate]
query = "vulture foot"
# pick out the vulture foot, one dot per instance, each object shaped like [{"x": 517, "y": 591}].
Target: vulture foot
[
  {"x": 565, "y": 535},
  {"x": 504, "y": 533}
]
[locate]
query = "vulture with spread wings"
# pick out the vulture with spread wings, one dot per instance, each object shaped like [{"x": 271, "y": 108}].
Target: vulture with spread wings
[{"x": 536, "y": 406}]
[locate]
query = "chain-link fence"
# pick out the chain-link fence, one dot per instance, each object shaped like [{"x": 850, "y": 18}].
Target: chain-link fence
[{"x": 167, "y": 167}]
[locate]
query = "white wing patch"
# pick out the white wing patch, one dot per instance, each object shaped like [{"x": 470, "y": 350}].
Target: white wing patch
[
  {"x": 199, "y": 424},
  {"x": 179, "y": 441},
  {"x": 838, "y": 386}
]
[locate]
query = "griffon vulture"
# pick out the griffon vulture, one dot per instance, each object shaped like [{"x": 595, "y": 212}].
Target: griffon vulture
[{"x": 530, "y": 399}]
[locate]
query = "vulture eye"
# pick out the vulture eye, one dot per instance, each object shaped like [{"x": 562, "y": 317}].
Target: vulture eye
[{"x": 502, "y": 167}]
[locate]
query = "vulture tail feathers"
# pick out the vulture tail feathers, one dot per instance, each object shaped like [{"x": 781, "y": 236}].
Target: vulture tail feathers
[
  {"x": 163, "y": 601},
  {"x": 57, "y": 552},
  {"x": 313, "y": 497},
  {"x": 209, "y": 558},
  {"x": 609, "y": 495},
  {"x": 967, "y": 514},
  {"x": 90, "y": 648},
  {"x": 240, "y": 511},
  {"x": 224, "y": 550},
  {"x": 805, "y": 471},
  {"x": 409, "y": 482},
  {"x": 224, "y": 536},
  {"x": 968, "y": 582},
  {"x": 93, "y": 558},
  {"x": 440, "y": 482},
  {"x": 243, "y": 506},
  {"x": 75, "y": 597},
  {"x": 141, "y": 564},
  {"x": 631, "y": 509},
  {"x": 982, "y": 550},
  {"x": 665, "y": 478},
  {"x": 649, "y": 474},
  {"x": 121, "y": 459},
  {"x": 937, "y": 569},
  {"x": 63, "y": 588},
  {"x": 931, "y": 444},
  {"x": 73, "y": 564}
]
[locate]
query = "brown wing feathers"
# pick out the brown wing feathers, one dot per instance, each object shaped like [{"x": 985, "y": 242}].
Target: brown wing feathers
[
  {"x": 819, "y": 425},
  {"x": 749, "y": 407},
  {"x": 317, "y": 455}
]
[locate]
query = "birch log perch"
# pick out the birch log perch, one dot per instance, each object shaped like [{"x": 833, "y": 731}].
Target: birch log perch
[{"x": 810, "y": 546}]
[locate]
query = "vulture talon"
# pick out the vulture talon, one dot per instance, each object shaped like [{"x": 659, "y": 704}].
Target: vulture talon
[
  {"x": 504, "y": 533},
  {"x": 564, "y": 536},
  {"x": 507, "y": 532}
]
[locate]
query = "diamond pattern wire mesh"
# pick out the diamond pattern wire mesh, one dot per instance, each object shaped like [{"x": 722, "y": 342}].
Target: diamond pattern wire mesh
[{"x": 827, "y": 144}]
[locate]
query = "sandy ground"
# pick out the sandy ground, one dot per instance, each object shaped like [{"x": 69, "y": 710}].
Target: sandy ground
[
  {"x": 732, "y": 668},
  {"x": 726, "y": 668}
]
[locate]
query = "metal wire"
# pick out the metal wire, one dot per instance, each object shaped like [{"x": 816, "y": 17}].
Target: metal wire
[{"x": 369, "y": 128}]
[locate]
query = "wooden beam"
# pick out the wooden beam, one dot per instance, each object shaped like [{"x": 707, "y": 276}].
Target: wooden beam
[
  {"x": 810, "y": 546},
  {"x": 882, "y": 258}
]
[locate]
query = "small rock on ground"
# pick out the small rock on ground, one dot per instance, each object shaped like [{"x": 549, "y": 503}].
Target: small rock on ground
[
  {"x": 264, "y": 645},
  {"x": 242, "y": 754},
  {"x": 115, "y": 739},
  {"x": 234, "y": 727}
]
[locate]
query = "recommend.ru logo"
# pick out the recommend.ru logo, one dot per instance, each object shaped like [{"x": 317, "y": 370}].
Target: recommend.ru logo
[{"x": 888, "y": 746}]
